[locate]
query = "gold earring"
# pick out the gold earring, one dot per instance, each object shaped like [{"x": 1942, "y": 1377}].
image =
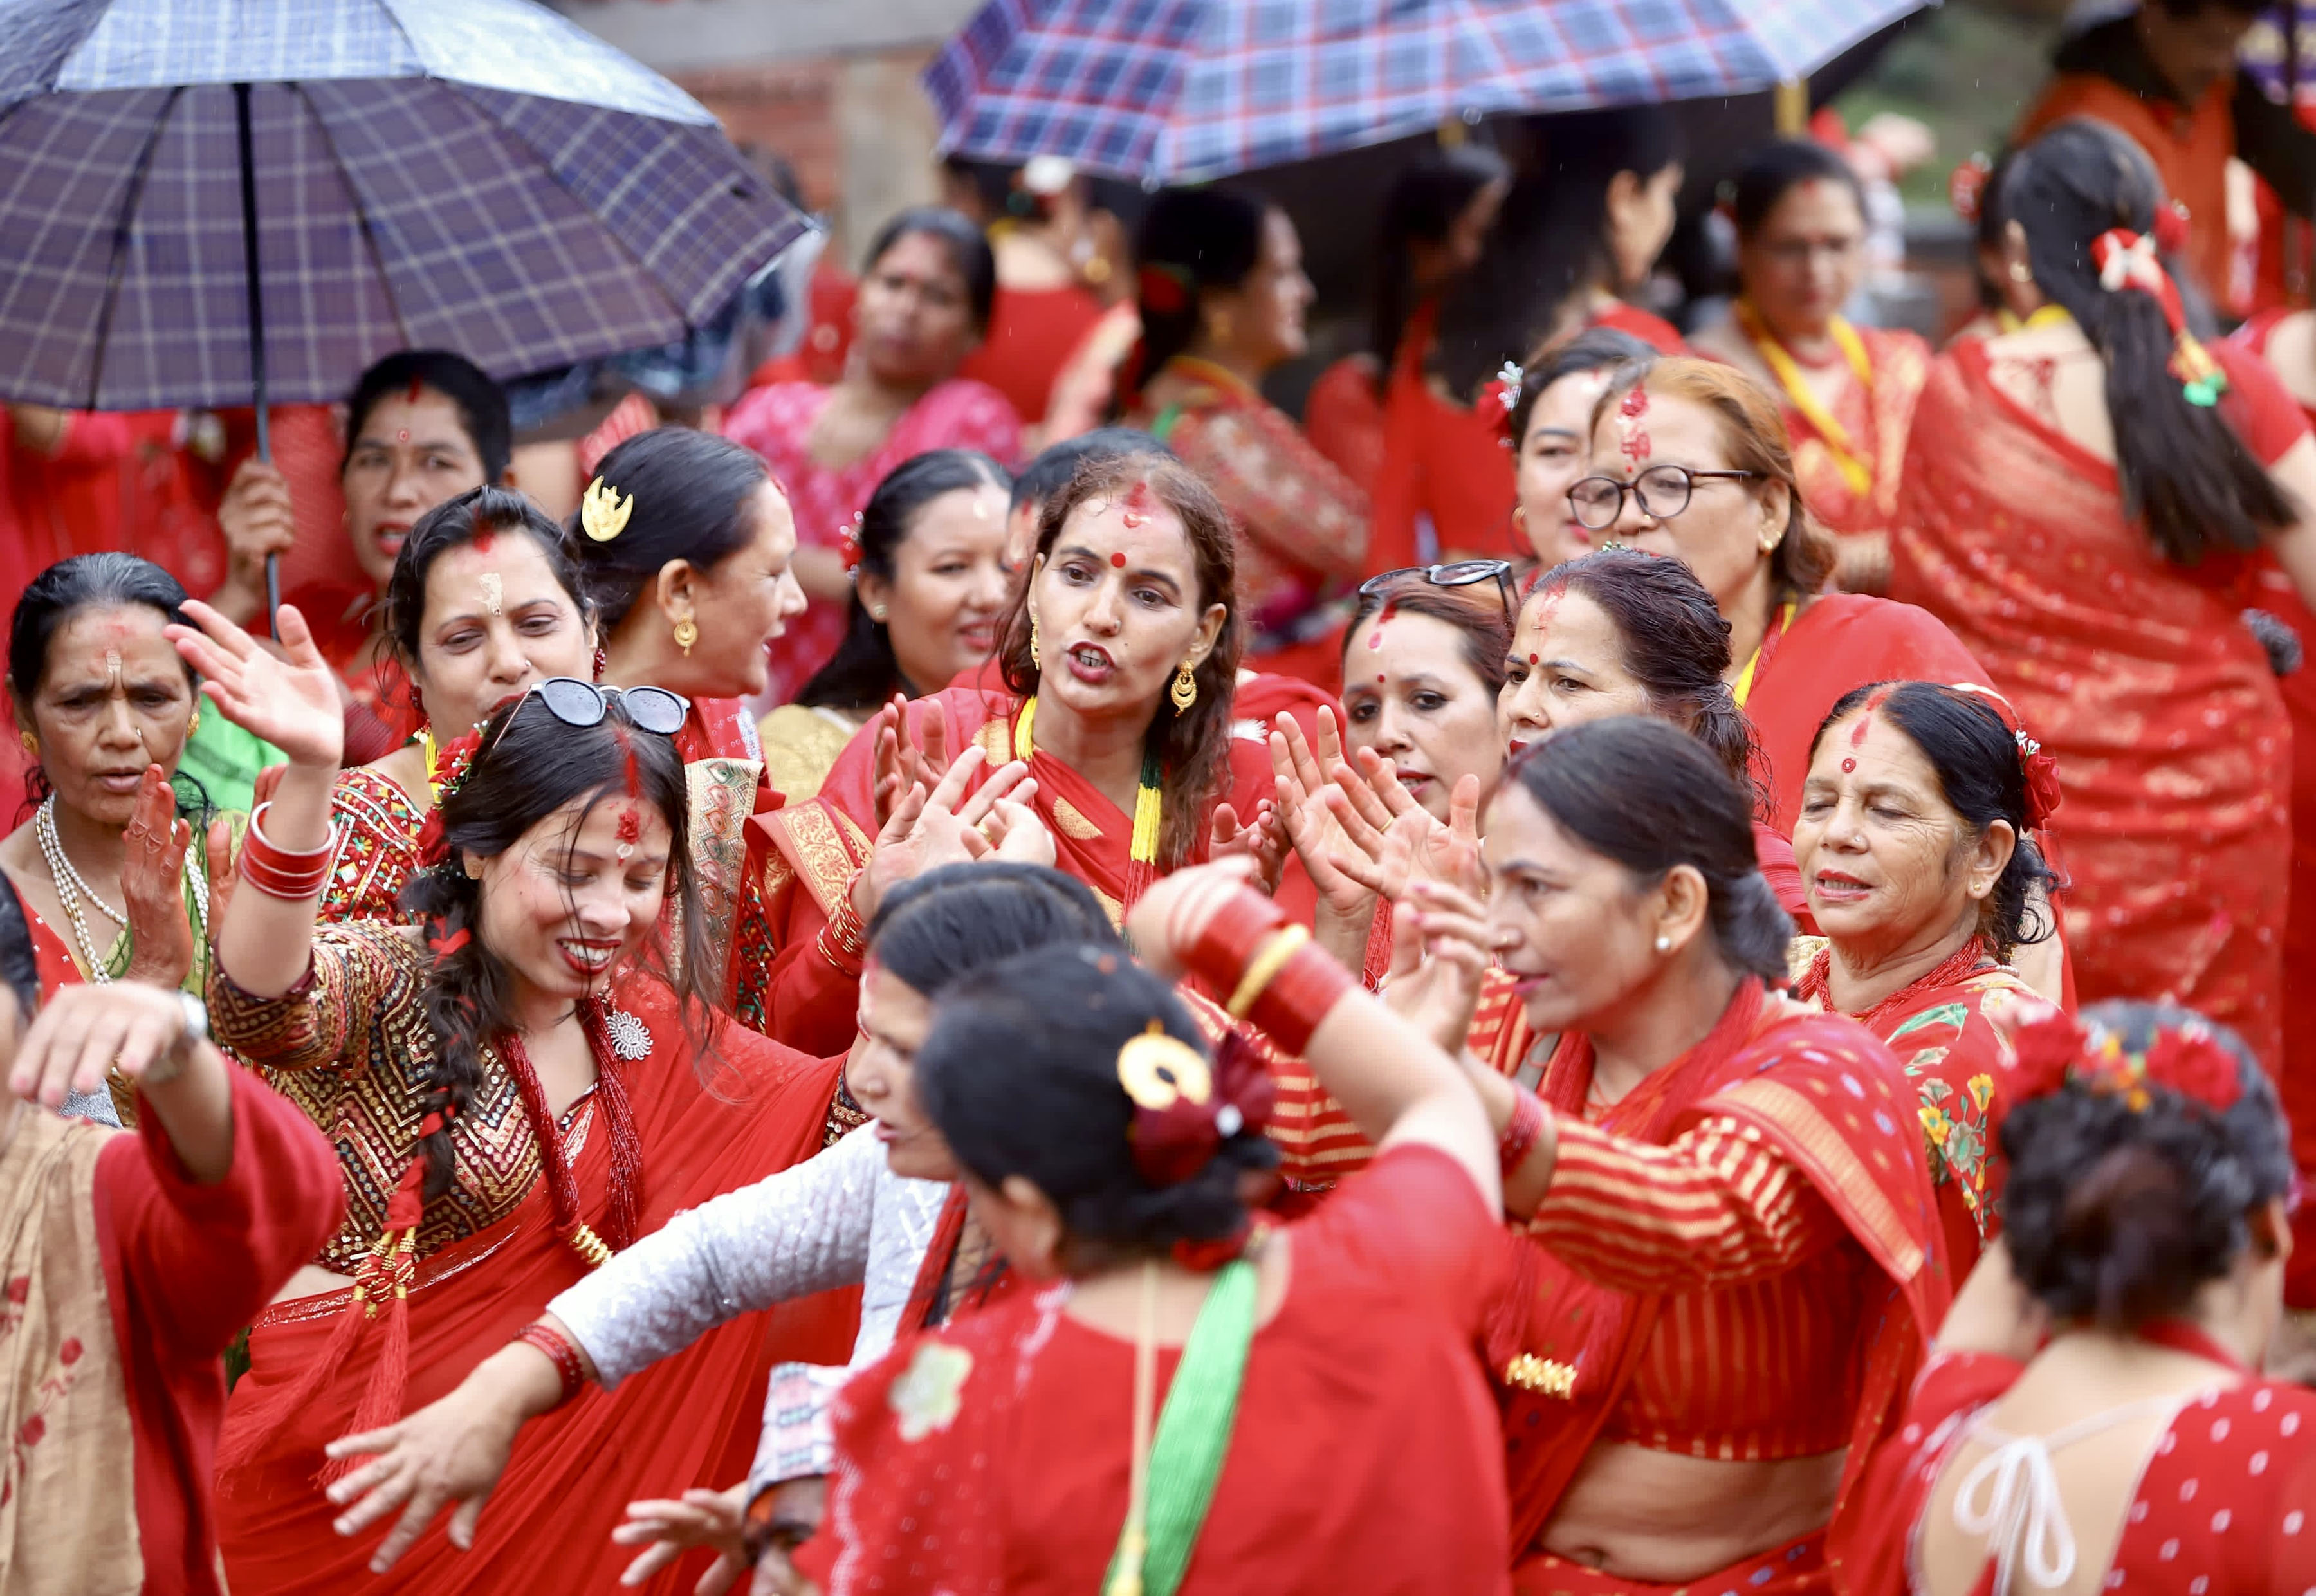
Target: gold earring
[
  {"x": 2020, "y": 272},
  {"x": 31, "y": 744},
  {"x": 1034, "y": 660},
  {"x": 1185, "y": 690},
  {"x": 687, "y": 633},
  {"x": 193, "y": 724}
]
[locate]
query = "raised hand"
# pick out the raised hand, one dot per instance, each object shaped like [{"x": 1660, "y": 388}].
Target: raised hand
[
  {"x": 1308, "y": 822},
  {"x": 667, "y": 1529},
  {"x": 1264, "y": 840},
  {"x": 152, "y": 885},
  {"x": 216, "y": 847},
  {"x": 1439, "y": 950},
  {"x": 290, "y": 700},
  {"x": 1013, "y": 833},
  {"x": 926, "y": 830},
  {"x": 254, "y": 515},
  {"x": 83, "y": 1029}
]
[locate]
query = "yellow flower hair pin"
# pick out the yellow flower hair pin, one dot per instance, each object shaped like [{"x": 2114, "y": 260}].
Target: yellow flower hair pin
[{"x": 603, "y": 512}]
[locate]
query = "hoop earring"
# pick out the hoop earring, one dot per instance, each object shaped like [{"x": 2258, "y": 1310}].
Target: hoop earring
[
  {"x": 1185, "y": 689},
  {"x": 687, "y": 633}
]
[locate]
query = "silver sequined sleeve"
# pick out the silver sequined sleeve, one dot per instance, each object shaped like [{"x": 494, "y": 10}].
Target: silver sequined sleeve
[{"x": 804, "y": 1230}]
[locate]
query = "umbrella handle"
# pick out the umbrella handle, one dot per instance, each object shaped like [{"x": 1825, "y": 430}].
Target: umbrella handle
[{"x": 273, "y": 595}]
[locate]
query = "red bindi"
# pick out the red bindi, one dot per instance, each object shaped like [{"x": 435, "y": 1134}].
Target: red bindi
[
  {"x": 1532, "y": 659},
  {"x": 1117, "y": 560},
  {"x": 1848, "y": 765},
  {"x": 403, "y": 435},
  {"x": 631, "y": 824},
  {"x": 483, "y": 541}
]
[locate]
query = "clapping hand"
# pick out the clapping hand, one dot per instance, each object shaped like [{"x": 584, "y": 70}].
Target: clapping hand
[
  {"x": 1441, "y": 949},
  {"x": 927, "y": 830},
  {"x": 152, "y": 885},
  {"x": 899, "y": 763},
  {"x": 668, "y": 1529},
  {"x": 290, "y": 700}
]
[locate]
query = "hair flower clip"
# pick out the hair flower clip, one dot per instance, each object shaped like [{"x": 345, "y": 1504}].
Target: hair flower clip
[
  {"x": 603, "y": 512},
  {"x": 454, "y": 761},
  {"x": 848, "y": 544},
  {"x": 1504, "y": 393},
  {"x": 1966, "y": 187},
  {"x": 1162, "y": 287}
]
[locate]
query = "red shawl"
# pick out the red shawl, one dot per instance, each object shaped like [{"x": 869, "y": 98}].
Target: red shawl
[
  {"x": 2173, "y": 745},
  {"x": 1830, "y": 1098},
  {"x": 690, "y": 1420}
]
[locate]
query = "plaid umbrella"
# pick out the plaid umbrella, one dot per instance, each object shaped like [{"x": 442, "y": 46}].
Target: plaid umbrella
[
  {"x": 1176, "y": 90},
  {"x": 207, "y": 202}
]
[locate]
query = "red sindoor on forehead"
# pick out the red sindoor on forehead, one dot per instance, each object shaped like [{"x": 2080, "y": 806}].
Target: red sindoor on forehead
[
  {"x": 1139, "y": 506},
  {"x": 418, "y": 387}
]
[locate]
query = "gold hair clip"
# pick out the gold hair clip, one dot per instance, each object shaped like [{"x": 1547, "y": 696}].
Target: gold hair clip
[
  {"x": 1545, "y": 1376},
  {"x": 1157, "y": 1069},
  {"x": 603, "y": 512}
]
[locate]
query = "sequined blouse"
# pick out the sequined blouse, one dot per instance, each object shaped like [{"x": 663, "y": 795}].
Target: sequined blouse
[{"x": 350, "y": 1046}]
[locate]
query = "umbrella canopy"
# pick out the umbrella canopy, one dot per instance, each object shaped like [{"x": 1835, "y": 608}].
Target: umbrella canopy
[
  {"x": 479, "y": 175},
  {"x": 1170, "y": 91}
]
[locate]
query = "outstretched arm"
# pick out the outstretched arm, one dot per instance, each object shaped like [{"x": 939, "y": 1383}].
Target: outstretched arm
[{"x": 266, "y": 941}]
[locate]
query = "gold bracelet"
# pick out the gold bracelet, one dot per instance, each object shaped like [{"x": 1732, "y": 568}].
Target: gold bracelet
[{"x": 1266, "y": 964}]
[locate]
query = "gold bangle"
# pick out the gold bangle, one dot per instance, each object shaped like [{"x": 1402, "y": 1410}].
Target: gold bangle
[{"x": 1264, "y": 966}]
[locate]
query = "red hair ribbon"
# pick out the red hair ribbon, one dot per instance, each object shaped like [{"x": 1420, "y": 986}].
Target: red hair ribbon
[
  {"x": 2185, "y": 1055},
  {"x": 1185, "y": 1109},
  {"x": 2127, "y": 261},
  {"x": 1164, "y": 288},
  {"x": 2171, "y": 227},
  {"x": 2039, "y": 767}
]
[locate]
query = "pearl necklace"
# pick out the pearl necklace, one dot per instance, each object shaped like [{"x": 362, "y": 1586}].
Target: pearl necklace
[{"x": 71, "y": 888}]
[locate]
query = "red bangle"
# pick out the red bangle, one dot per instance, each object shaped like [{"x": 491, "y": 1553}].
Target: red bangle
[
  {"x": 1299, "y": 996},
  {"x": 1518, "y": 1139},
  {"x": 292, "y": 875},
  {"x": 1232, "y": 936},
  {"x": 561, "y": 1354}
]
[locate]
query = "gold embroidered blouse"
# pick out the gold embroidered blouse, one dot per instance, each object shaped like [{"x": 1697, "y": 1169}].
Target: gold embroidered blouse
[{"x": 350, "y": 1046}]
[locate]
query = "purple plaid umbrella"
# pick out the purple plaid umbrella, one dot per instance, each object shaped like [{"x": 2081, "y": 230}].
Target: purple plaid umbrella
[{"x": 1170, "y": 91}]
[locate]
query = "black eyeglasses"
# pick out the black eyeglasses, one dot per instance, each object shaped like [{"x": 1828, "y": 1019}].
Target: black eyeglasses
[
  {"x": 579, "y": 703},
  {"x": 1462, "y": 573},
  {"x": 1663, "y": 492}
]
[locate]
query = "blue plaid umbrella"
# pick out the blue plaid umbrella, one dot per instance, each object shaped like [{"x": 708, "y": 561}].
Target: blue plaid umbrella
[
  {"x": 207, "y": 202},
  {"x": 1175, "y": 90}
]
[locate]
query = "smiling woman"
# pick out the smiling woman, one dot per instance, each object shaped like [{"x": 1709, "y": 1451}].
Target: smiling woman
[{"x": 516, "y": 1091}]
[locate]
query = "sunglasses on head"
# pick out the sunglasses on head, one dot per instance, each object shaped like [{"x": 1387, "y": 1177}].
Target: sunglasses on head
[
  {"x": 579, "y": 703},
  {"x": 1462, "y": 573}
]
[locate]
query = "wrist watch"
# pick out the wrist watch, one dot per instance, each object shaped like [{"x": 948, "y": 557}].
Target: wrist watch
[{"x": 194, "y": 1031}]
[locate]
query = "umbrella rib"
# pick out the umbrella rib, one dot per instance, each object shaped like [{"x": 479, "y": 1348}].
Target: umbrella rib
[
  {"x": 362, "y": 212},
  {"x": 117, "y": 271}
]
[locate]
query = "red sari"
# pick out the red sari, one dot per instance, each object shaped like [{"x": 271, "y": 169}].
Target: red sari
[
  {"x": 1817, "y": 653},
  {"x": 689, "y": 1420},
  {"x": 1851, "y": 457},
  {"x": 993, "y": 1457},
  {"x": 1632, "y": 1319},
  {"x": 2173, "y": 745},
  {"x": 795, "y": 976},
  {"x": 1943, "y": 1028},
  {"x": 2226, "y": 1496}
]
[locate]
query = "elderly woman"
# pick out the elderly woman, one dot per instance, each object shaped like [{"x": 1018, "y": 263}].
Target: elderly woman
[
  {"x": 2093, "y": 1414},
  {"x": 133, "y": 1259},
  {"x": 1729, "y": 1253},
  {"x": 1915, "y": 850},
  {"x": 1691, "y": 460},
  {"x": 111, "y": 887}
]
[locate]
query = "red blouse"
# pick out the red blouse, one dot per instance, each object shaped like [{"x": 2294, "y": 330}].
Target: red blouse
[{"x": 1364, "y": 1455}]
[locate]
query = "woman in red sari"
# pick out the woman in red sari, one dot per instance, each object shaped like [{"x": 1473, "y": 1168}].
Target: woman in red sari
[
  {"x": 1116, "y": 663},
  {"x": 1691, "y": 460},
  {"x": 2081, "y": 497},
  {"x": 1223, "y": 294},
  {"x": 2092, "y": 1417},
  {"x": 1846, "y": 392},
  {"x": 1586, "y": 218},
  {"x": 1325, "y": 1425},
  {"x": 1729, "y": 1250},
  {"x": 1916, "y": 852},
  {"x": 1435, "y": 219},
  {"x": 481, "y": 1183}
]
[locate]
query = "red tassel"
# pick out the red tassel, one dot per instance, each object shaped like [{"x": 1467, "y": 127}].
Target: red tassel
[
  {"x": 562, "y": 1191},
  {"x": 381, "y": 1403},
  {"x": 619, "y": 1215},
  {"x": 242, "y": 1446}
]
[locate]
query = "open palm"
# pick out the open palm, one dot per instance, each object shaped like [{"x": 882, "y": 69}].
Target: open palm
[{"x": 291, "y": 700}]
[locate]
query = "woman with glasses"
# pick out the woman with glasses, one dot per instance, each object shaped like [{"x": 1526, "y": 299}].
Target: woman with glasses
[
  {"x": 1549, "y": 426},
  {"x": 2087, "y": 500},
  {"x": 517, "y": 1087},
  {"x": 1691, "y": 460},
  {"x": 1847, "y": 393}
]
